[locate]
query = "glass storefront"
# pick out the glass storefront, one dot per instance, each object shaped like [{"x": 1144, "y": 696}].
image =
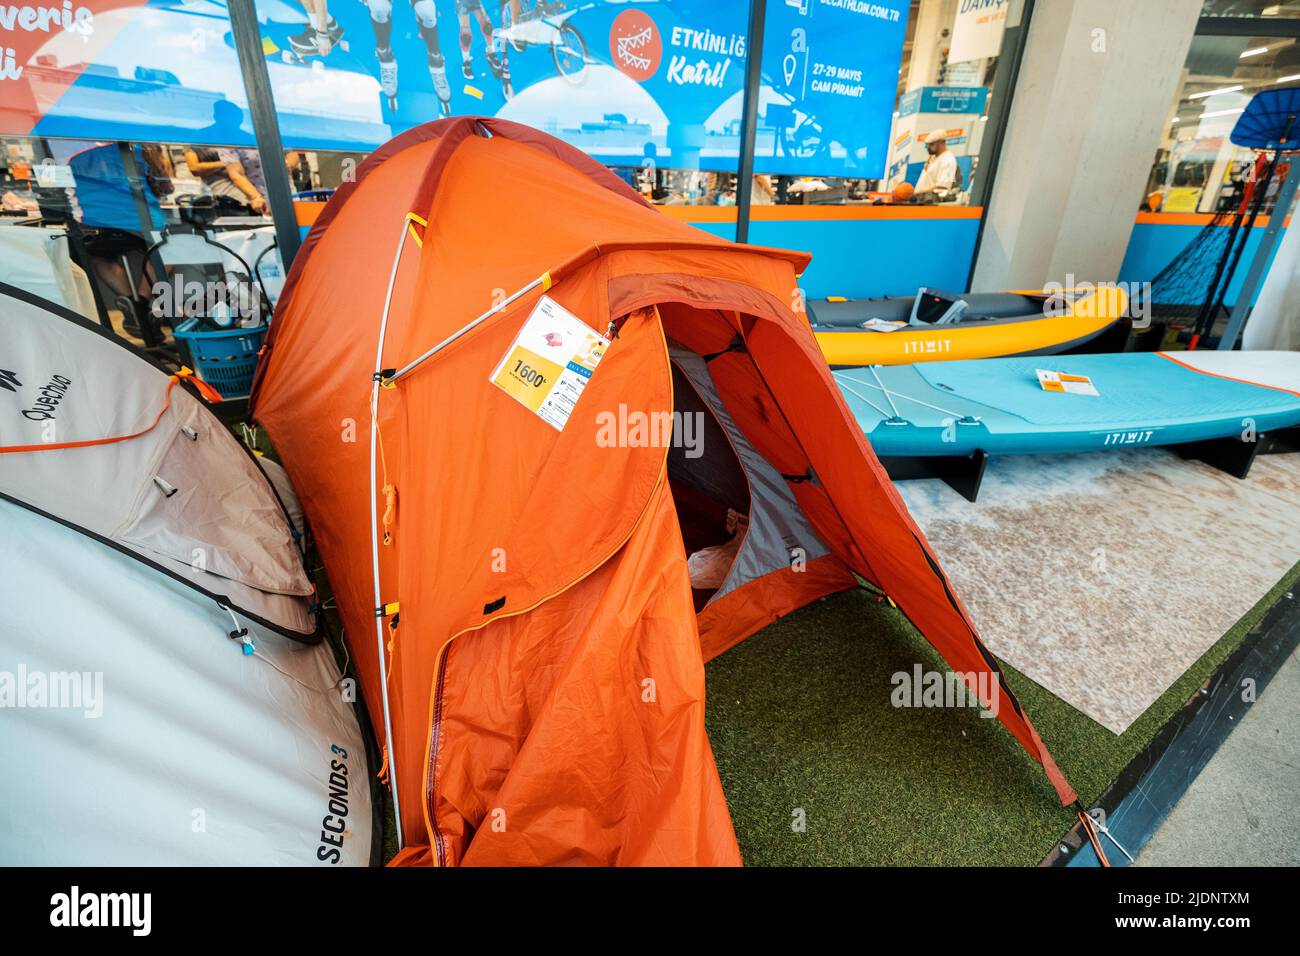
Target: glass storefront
[
  {"x": 1290, "y": 9},
  {"x": 130, "y": 132},
  {"x": 1197, "y": 169},
  {"x": 652, "y": 89},
  {"x": 126, "y": 138},
  {"x": 103, "y": 227},
  {"x": 951, "y": 55}
]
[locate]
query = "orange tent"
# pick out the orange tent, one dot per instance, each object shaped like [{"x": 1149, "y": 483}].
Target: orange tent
[{"x": 571, "y": 391}]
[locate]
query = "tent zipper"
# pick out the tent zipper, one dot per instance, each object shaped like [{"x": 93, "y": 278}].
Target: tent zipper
[{"x": 440, "y": 668}]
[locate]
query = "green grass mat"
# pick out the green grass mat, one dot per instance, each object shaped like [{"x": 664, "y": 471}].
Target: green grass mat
[{"x": 802, "y": 727}]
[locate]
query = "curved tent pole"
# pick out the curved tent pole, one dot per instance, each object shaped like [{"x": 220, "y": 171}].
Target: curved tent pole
[{"x": 379, "y": 606}]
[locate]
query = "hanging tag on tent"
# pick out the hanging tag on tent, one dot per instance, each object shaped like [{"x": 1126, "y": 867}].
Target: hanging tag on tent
[
  {"x": 1064, "y": 382},
  {"x": 550, "y": 362}
]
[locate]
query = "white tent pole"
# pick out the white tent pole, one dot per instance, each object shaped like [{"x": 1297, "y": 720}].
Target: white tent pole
[
  {"x": 543, "y": 280},
  {"x": 374, "y": 533}
]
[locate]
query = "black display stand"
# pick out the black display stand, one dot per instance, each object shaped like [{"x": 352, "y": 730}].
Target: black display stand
[{"x": 963, "y": 473}]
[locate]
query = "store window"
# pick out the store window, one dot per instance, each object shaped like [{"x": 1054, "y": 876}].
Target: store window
[
  {"x": 1251, "y": 8},
  {"x": 1197, "y": 169},
  {"x": 314, "y": 174},
  {"x": 123, "y": 232},
  {"x": 127, "y": 163},
  {"x": 950, "y": 57},
  {"x": 653, "y": 90}
]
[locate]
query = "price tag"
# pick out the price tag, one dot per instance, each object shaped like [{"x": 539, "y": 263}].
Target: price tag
[
  {"x": 550, "y": 362},
  {"x": 1063, "y": 382}
]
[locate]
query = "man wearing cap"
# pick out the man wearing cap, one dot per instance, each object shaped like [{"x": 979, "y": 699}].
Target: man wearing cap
[{"x": 940, "y": 173}]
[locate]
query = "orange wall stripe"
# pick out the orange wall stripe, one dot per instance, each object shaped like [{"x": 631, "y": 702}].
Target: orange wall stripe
[
  {"x": 307, "y": 213},
  {"x": 700, "y": 213},
  {"x": 1190, "y": 219},
  {"x": 816, "y": 213}
]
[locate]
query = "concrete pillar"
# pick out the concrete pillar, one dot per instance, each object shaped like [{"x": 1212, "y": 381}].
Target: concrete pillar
[{"x": 1094, "y": 89}]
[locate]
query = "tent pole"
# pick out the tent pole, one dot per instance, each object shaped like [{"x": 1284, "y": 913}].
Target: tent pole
[
  {"x": 374, "y": 535},
  {"x": 542, "y": 280}
]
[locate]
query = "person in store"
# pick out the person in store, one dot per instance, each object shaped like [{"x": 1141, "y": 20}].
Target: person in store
[
  {"x": 940, "y": 175},
  {"x": 224, "y": 173},
  {"x": 299, "y": 171},
  {"x": 110, "y": 230}
]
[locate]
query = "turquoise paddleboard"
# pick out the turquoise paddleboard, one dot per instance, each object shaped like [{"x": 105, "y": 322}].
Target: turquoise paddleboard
[{"x": 999, "y": 406}]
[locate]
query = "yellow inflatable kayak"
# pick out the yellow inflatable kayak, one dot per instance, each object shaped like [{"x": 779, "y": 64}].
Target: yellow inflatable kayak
[{"x": 935, "y": 326}]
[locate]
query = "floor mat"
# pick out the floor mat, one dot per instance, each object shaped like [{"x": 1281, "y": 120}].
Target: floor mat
[{"x": 1103, "y": 577}]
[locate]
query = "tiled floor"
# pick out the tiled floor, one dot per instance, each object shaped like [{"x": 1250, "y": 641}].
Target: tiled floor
[{"x": 1241, "y": 809}]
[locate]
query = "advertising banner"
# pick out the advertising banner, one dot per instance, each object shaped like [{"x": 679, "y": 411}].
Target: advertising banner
[
  {"x": 977, "y": 31},
  {"x": 151, "y": 70},
  {"x": 630, "y": 82},
  {"x": 830, "y": 76}
]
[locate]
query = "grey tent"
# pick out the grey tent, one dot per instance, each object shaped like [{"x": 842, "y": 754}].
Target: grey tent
[{"x": 165, "y": 694}]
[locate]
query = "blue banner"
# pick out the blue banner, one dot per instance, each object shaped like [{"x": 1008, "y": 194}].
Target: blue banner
[
  {"x": 944, "y": 99},
  {"x": 151, "y": 70},
  {"x": 830, "y": 77},
  {"x": 630, "y": 82}
]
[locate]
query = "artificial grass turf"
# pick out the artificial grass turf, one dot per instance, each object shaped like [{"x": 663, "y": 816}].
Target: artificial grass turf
[{"x": 800, "y": 719}]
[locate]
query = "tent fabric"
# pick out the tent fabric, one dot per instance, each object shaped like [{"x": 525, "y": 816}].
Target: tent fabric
[
  {"x": 191, "y": 753},
  {"x": 137, "y": 731},
  {"x": 778, "y": 532},
  {"x": 545, "y": 669},
  {"x": 153, "y": 494}
]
